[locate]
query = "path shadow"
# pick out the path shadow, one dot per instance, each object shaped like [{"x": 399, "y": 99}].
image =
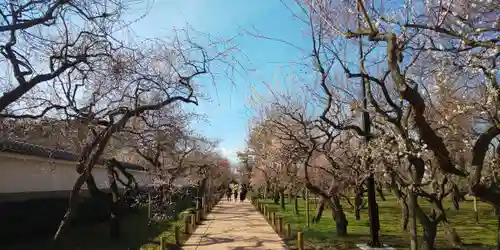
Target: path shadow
[
  {"x": 237, "y": 212},
  {"x": 237, "y": 217},
  {"x": 258, "y": 244},
  {"x": 325, "y": 240},
  {"x": 211, "y": 241}
]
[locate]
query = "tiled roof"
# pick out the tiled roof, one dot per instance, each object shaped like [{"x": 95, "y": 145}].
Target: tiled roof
[{"x": 19, "y": 147}]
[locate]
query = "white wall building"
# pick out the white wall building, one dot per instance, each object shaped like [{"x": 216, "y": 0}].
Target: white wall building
[{"x": 30, "y": 171}]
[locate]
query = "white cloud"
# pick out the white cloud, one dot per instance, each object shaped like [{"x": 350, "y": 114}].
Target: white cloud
[{"x": 230, "y": 153}]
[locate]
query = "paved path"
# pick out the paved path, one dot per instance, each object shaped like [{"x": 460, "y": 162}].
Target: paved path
[{"x": 236, "y": 226}]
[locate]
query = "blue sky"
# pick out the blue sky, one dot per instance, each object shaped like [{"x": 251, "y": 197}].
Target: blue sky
[{"x": 229, "y": 111}]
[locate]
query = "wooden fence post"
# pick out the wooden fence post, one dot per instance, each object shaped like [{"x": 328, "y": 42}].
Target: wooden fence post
[
  {"x": 289, "y": 230},
  {"x": 280, "y": 225},
  {"x": 149, "y": 205},
  {"x": 193, "y": 222},
  {"x": 273, "y": 219},
  {"x": 300, "y": 241},
  {"x": 187, "y": 223},
  {"x": 163, "y": 243},
  {"x": 308, "y": 212},
  {"x": 177, "y": 231},
  {"x": 198, "y": 217},
  {"x": 204, "y": 201}
]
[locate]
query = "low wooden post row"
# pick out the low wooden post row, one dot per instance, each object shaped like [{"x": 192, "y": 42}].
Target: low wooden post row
[
  {"x": 163, "y": 243},
  {"x": 177, "y": 232},
  {"x": 187, "y": 224},
  {"x": 282, "y": 228},
  {"x": 198, "y": 217},
  {"x": 280, "y": 225},
  {"x": 300, "y": 241},
  {"x": 193, "y": 222},
  {"x": 273, "y": 219}
]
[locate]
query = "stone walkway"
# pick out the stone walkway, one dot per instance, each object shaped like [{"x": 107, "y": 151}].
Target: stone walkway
[{"x": 236, "y": 226}]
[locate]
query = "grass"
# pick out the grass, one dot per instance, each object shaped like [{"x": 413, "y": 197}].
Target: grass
[
  {"x": 136, "y": 234},
  {"x": 322, "y": 234},
  {"x": 166, "y": 229}
]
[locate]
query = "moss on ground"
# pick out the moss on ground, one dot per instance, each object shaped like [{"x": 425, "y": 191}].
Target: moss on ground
[{"x": 474, "y": 236}]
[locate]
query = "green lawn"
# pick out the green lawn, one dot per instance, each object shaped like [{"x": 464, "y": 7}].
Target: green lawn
[
  {"x": 481, "y": 236},
  {"x": 136, "y": 234}
]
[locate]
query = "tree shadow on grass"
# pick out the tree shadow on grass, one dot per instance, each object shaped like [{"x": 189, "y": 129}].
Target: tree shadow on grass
[
  {"x": 315, "y": 239},
  {"x": 320, "y": 237},
  {"x": 475, "y": 236},
  {"x": 135, "y": 233}
]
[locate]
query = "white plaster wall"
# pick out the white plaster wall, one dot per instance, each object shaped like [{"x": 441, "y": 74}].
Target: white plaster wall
[{"x": 20, "y": 174}]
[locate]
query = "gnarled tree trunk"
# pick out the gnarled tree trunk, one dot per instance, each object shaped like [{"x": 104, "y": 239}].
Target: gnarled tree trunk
[
  {"x": 405, "y": 215},
  {"x": 430, "y": 223},
  {"x": 380, "y": 192},
  {"x": 296, "y": 205},
  {"x": 282, "y": 199},
  {"x": 84, "y": 168},
  {"x": 117, "y": 200},
  {"x": 412, "y": 207},
  {"x": 276, "y": 197},
  {"x": 358, "y": 202},
  {"x": 319, "y": 211},
  {"x": 405, "y": 212},
  {"x": 338, "y": 214},
  {"x": 452, "y": 234},
  {"x": 455, "y": 197},
  {"x": 429, "y": 236}
]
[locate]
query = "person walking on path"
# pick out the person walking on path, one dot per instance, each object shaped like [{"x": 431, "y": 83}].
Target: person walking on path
[
  {"x": 229, "y": 193},
  {"x": 236, "y": 192},
  {"x": 243, "y": 193}
]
